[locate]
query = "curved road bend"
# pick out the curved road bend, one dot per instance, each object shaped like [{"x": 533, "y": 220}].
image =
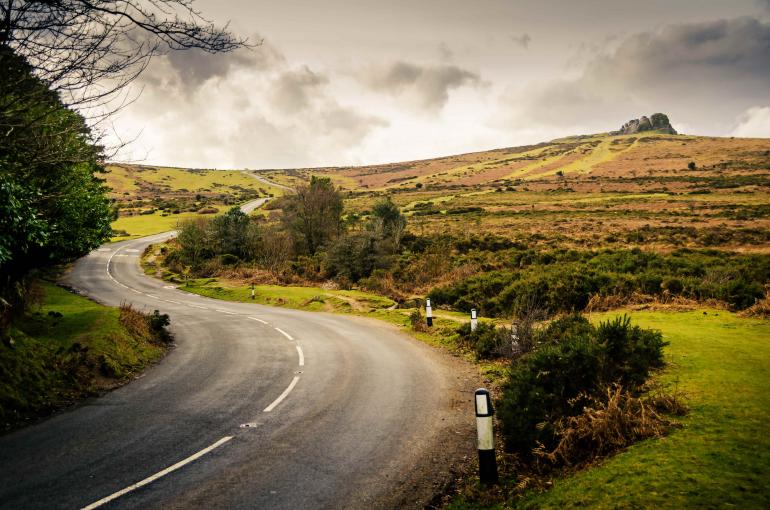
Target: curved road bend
[{"x": 256, "y": 407}]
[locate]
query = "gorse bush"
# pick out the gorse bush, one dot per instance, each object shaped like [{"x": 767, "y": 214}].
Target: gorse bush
[
  {"x": 565, "y": 280},
  {"x": 574, "y": 362},
  {"x": 487, "y": 341}
]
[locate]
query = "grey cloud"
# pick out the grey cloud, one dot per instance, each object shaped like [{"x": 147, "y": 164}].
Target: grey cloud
[
  {"x": 294, "y": 90},
  {"x": 348, "y": 124},
  {"x": 522, "y": 40},
  {"x": 429, "y": 85},
  {"x": 701, "y": 74},
  {"x": 192, "y": 68}
]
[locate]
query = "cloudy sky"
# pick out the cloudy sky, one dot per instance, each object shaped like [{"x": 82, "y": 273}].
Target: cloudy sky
[{"x": 366, "y": 81}]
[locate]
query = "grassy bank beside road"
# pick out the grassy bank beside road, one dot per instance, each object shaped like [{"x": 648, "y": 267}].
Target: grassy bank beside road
[
  {"x": 720, "y": 457},
  {"x": 68, "y": 348}
]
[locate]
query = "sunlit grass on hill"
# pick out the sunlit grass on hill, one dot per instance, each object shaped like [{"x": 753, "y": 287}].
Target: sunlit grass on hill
[{"x": 148, "y": 224}]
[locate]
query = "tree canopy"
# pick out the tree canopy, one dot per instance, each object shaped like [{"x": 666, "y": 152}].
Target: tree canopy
[{"x": 52, "y": 206}]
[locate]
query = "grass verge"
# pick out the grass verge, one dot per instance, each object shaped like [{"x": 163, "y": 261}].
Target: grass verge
[
  {"x": 69, "y": 348},
  {"x": 721, "y": 454}
]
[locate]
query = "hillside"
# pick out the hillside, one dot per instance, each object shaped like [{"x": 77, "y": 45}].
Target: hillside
[
  {"x": 152, "y": 199},
  {"x": 637, "y": 162},
  {"x": 652, "y": 189}
]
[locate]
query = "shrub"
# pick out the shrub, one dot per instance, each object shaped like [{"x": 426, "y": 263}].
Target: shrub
[
  {"x": 573, "y": 364},
  {"x": 672, "y": 285},
  {"x": 417, "y": 322},
  {"x": 228, "y": 259},
  {"x": 486, "y": 341},
  {"x": 158, "y": 322}
]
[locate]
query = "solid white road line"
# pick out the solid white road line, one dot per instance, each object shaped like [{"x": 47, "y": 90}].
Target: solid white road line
[
  {"x": 258, "y": 320},
  {"x": 301, "y": 356},
  {"x": 283, "y": 395},
  {"x": 284, "y": 333},
  {"x": 159, "y": 474}
]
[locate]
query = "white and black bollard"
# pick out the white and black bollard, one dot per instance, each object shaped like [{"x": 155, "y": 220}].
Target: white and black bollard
[
  {"x": 429, "y": 313},
  {"x": 486, "y": 433},
  {"x": 252, "y": 291},
  {"x": 474, "y": 320}
]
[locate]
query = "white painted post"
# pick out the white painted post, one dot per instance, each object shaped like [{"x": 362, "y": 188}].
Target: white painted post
[
  {"x": 485, "y": 429},
  {"x": 474, "y": 320},
  {"x": 252, "y": 291},
  {"x": 429, "y": 313}
]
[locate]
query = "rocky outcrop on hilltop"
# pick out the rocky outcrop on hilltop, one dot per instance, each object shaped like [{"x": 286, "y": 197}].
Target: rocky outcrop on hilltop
[{"x": 656, "y": 122}]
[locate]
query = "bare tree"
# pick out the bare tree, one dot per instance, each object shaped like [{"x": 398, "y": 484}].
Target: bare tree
[{"x": 88, "y": 51}]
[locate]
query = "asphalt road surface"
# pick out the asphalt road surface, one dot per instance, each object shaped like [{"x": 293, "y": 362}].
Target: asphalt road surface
[{"x": 255, "y": 407}]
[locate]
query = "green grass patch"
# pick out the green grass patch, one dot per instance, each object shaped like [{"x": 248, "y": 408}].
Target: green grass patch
[
  {"x": 720, "y": 458},
  {"x": 67, "y": 348},
  {"x": 300, "y": 298},
  {"x": 148, "y": 224}
]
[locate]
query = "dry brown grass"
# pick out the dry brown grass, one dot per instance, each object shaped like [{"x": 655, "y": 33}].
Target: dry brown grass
[
  {"x": 639, "y": 301},
  {"x": 135, "y": 322},
  {"x": 760, "y": 309},
  {"x": 609, "y": 424}
]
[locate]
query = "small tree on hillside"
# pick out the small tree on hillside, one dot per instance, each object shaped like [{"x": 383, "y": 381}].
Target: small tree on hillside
[
  {"x": 388, "y": 222},
  {"x": 314, "y": 215}
]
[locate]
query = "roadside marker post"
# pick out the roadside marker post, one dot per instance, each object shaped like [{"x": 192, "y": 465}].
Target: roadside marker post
[
  {"x": 252, "y": 291},
  {"x": 474, "y": 320},
  {"x": 429, "y": 313},
  {"x": 486, "y": 437}
]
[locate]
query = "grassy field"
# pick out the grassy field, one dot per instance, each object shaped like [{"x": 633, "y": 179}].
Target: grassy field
[
  {"x": 148, "y": 224},
  {"x": 152, "y": 199},
  {"x": 67, "y": 348},
  {"x": 719, "y": 458},
  {"x": 129, "y": 178}
]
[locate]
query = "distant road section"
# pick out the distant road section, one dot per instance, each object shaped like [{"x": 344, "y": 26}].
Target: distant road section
[
  {"x": 267, "y": 181},
  {"x": 255, "y": 407}
]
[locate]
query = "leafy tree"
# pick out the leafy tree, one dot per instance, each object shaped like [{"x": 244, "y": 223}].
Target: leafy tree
[
  {"x": 353, "y": 256},
  {"x": 53, "y": 207},
  {"x": 314, "y": 215},
  {"x": 230, "y": 233},
  {"x": 389, "y": 222},
  {"x": 193, "y": 241}
]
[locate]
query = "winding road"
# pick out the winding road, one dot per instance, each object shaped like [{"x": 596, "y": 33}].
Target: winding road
[{"x": 255, "y": 407}]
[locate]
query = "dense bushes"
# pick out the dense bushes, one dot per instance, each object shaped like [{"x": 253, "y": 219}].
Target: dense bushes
[
  {"x": 573, "y": 363},
  {"x": 565, "y": 280},
  {"x": 293, "y": 248},
  {"x": 486, "y": 341},
  {"x": 53, "y": 206}
]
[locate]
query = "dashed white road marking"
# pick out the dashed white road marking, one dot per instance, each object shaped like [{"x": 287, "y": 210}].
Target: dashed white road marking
[
  {"x": 153, "y": 296},
  {"x": 157, "y": 475},
  {"x": 284, "y": 333},
  {"x": 225, "y": 311},
  {"x": 196, "y": 306},
  {"x": 258, "y": 320},
  {"x": 282, "y": 395},
  {"x": 301, "y": 356}
]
